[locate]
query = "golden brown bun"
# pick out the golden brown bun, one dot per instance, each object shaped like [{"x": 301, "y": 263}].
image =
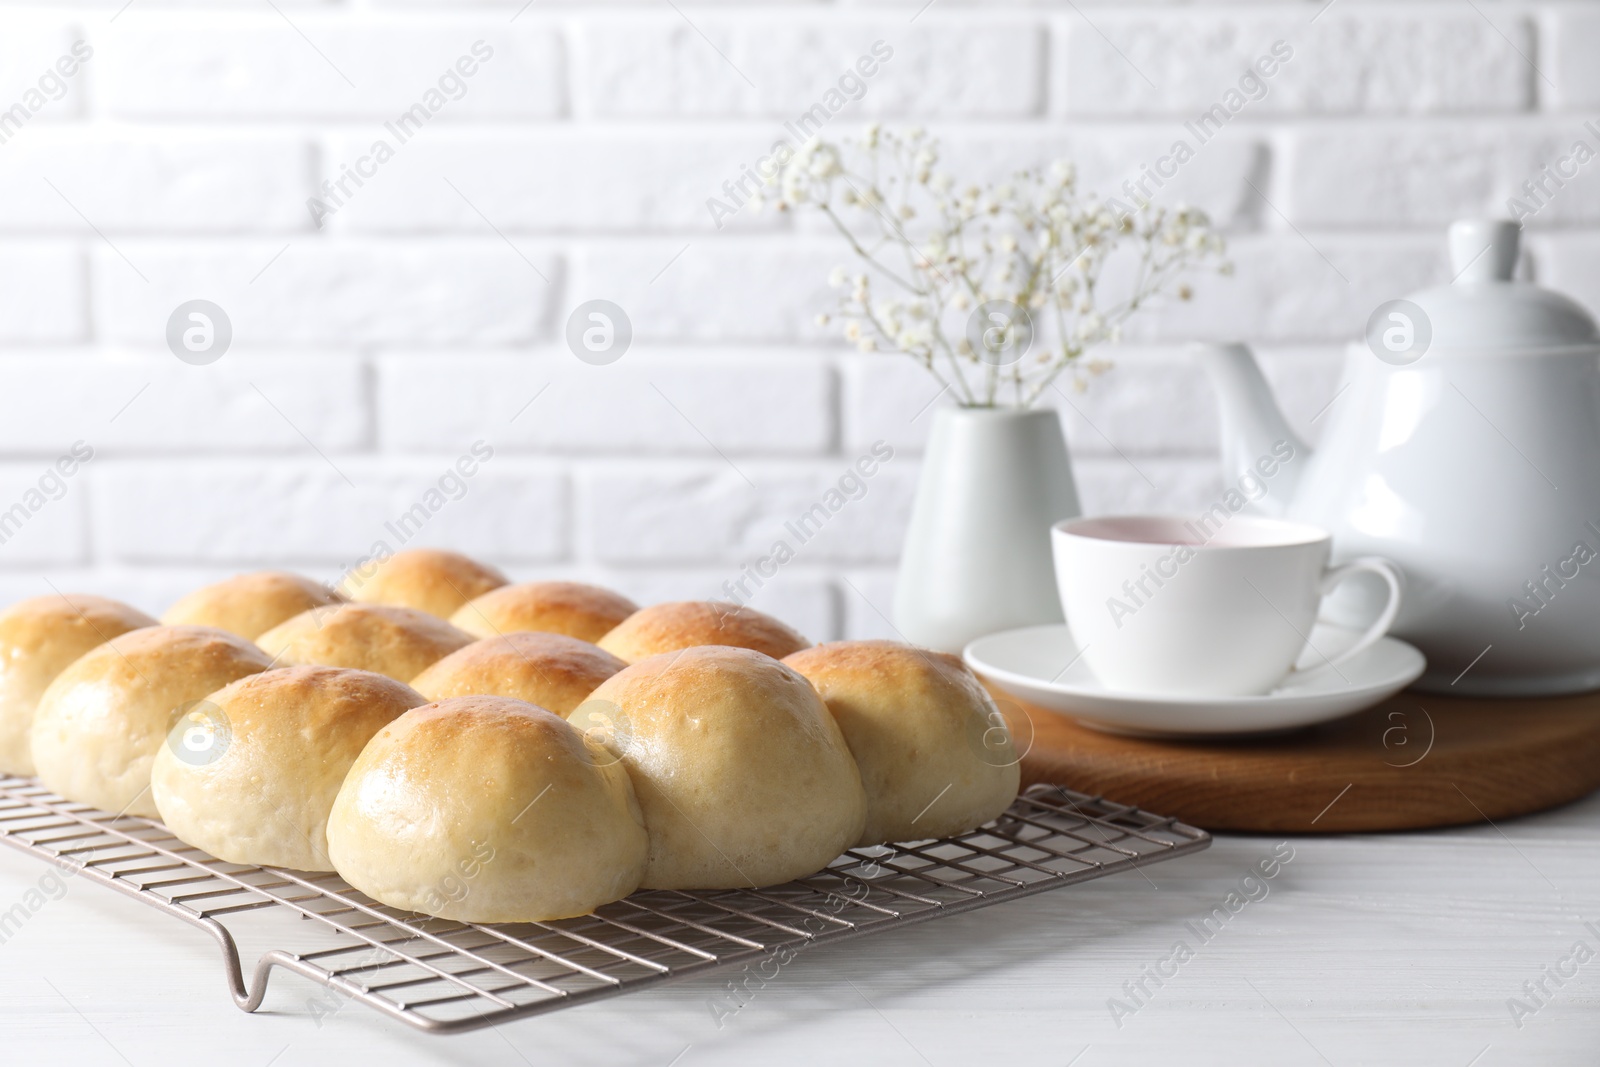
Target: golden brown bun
[
  {"x": 250, "y": 604},
  {"x": 743, "y": 776},
  {"x": 39, "y": 637},
  {"x": 549, "y": 670},
  {"x": 586, "y": 612},
  {"x": 427, "y": 579},
  {"x": 935, "y": 756},
  {"x": 687, "y": 623},
  {"x": 397, "y": 642},
  {"x": 103, "y": 719},
  {"x": 251, "y": 777},
  {"x": 484, "y": 809}
]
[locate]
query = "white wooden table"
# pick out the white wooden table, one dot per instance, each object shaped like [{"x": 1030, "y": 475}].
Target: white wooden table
[{"x": 1400, "y": 949}]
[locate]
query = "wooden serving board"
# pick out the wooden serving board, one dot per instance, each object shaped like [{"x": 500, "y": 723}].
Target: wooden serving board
[{"x": 1415, "y": 761}]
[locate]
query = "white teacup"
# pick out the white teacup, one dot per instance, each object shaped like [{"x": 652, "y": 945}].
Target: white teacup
[{"x": 1158, "y": 606}]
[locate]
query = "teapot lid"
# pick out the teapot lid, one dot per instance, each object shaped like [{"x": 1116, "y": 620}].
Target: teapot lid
[{"x": 1482, "y": 308}]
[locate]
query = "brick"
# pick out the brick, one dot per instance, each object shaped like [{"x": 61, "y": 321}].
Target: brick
[
  {"x": 659, "y": 65},
  {"x": 1415, "y": 173},
  {"x": 733, "y": 290},
  {"x": 127, "y": 401},
  {"x": 1315, "y": 286},
  {"x": 305, "y": 511},
  {"x": 163, "y": 182},
  {"x": 704, "y": 513},
  {"x": 43, "y": 515},
  {"x": 424, "y": 293},
  {"x": 555, "y": 180},
  {"x": 657, "y": 403},
  {"x": 260, "y": 66},
  {"x": 1427, "y": 60},
  {"x": 1216, "y": 178},
  {"x": 868, "y": 598},
  {"x": 1570, "y": 38},
  {"x": 42, "y": 289},
  {"x": 30, "y": 49}
]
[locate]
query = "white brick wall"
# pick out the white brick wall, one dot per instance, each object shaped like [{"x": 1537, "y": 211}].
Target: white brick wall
[{"x": 427, "y": 312}]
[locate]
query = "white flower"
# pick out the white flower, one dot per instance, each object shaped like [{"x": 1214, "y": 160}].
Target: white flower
[
  {"x": 823, "y": 318},
  {"x": 852, "y": 331},
  {"x": 823, "y": 161},
  {"x": 837, "y": 277},
  {"x": 866, "y": 345}
]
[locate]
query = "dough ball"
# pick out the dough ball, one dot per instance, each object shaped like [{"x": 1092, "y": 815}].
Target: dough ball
[
  {"x": 586, "y": 612},
  {"x": 104, "y": 718},
  {"x": 427, "y": 579},
  {"x": 486, "y": 809},
  {"x": 398, "y": 642},
  {"x": 250, "y": 776},
  {"x": 743, "y": 776},
  {"x": 250, "y": 604},
  {"x": 39, "y": 637},
  {"x": 685, "y": 624},
  {"x": 935, "y": 755},
  {"x": 548, "y": 670}
]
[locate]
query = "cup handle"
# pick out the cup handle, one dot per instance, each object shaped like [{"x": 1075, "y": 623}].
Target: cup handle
[{"x": 1380, "y": 626}]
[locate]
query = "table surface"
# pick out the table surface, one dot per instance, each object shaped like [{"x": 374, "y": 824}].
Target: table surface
[{"x": 1363, "y": 949}]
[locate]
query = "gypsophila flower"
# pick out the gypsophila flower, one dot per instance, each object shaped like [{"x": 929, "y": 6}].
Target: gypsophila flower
[{"x": 1035, "y": 241}]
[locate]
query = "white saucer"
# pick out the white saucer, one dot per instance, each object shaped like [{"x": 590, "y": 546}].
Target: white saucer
[{"x": 1040, "y": 664}]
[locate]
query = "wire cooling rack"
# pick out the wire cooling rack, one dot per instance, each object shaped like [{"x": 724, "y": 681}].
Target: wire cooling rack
[{"x": 444, "y": 976}]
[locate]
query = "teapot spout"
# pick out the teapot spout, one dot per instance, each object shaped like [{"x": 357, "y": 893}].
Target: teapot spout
[{"x": 1257, "y": 442}]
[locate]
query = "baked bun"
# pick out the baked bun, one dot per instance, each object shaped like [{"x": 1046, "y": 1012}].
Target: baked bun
[
  {"x": 548, "y": 670},
  {"x": 397, "y": 642},
  {"x": 687, "y": 623},
  {"x": 586, "y": 612},
  {"x": 427, "y": 579},
  {"x": 485, "y": 809},
  {"x": 935, "y": 755},
  {"x": 101, "y": 722},
  {"x": 250, "y": 604},
  {"x": 39, "y": 637},
  {"x": 743, "y": 776},
  {"x": 250, "y": 775}
]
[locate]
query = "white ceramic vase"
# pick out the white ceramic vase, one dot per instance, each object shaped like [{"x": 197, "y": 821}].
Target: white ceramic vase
[{"x": 977, "y": 554}]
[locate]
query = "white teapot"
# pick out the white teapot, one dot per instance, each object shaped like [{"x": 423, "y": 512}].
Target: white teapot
[{"x": 1464, "y": 444}]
